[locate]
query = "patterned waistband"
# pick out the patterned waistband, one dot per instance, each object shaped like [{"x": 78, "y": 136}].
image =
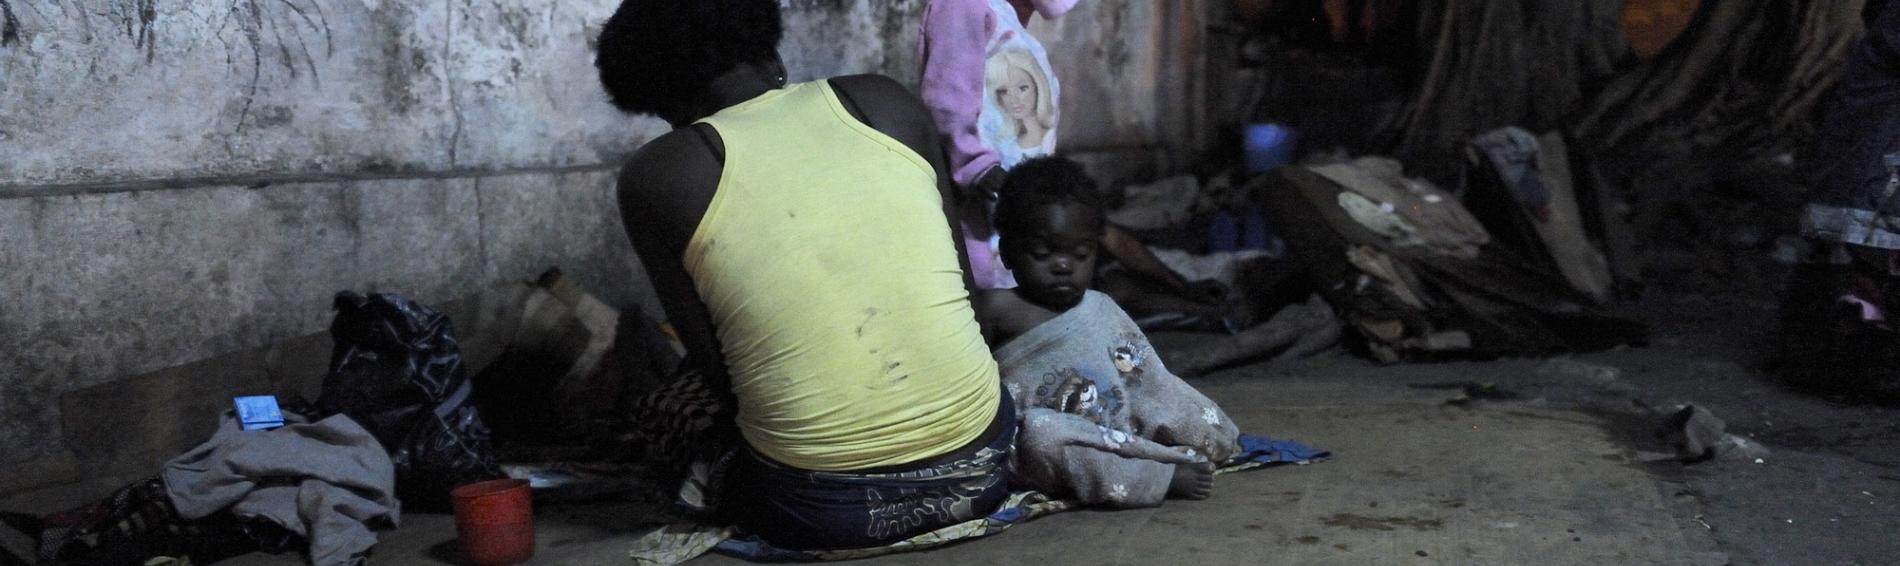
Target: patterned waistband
[{"x": 980, "y": 464}]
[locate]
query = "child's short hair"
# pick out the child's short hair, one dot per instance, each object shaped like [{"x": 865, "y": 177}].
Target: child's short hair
[{"x": 1041, "y": 182}]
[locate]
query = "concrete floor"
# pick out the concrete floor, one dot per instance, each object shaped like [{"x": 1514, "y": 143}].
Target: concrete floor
[
  {"x": 1421, "y": 476},
  {"x": 1499, "y": 462}
]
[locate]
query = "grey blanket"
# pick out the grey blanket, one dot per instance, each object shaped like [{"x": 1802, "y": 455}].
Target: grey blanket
[
  {"x": 328, "y": 481},
  {"x": 1103, "y": 420}
]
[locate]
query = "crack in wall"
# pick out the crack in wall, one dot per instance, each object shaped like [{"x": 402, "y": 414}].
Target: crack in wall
[
  {"x": 283, "y": 48},
  {"x": 254, "y": 22},
  {"x": 255, "y": 38},
  {"x": 481, "y": 231},
  {"x": 9, "y": 24},
  {"x": 322, "y": 22},
  {"x": 448, "y": 79}
]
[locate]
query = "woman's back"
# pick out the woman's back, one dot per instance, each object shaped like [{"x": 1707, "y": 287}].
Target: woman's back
[{"x": 832, "y": 280}]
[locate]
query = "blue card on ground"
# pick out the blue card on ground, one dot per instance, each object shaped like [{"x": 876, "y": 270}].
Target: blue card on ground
[{"x": 259, "y": 412}]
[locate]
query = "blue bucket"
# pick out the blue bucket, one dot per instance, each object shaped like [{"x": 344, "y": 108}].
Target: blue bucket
[{"x": 1268, "y": 146}]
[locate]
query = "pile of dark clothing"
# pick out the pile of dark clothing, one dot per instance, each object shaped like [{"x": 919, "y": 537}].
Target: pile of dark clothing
[
  {"x": 403, "y": 417},
  {"x": 394, "y": 424},
  {"x": 1506, "y": 263},
  {"x": 544, "y": 377},
  {"x": 399, "y": 422},
  {"x": 1837, "y": 330},
  {"x": 1505, "y": 268},
  {"x": 397, "y": 370}
]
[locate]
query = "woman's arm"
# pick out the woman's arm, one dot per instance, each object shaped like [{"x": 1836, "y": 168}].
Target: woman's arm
[
  {"x": 664, "y": 190},
  {"x": 1140, "y": 260}
]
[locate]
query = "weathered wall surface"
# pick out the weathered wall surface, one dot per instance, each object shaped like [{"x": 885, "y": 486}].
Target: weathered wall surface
[
  {"x": 157, "y": 89},
  {"x": 182, "y": 179},
  {"x": 1129, "y": 71},
  {"x": 1132, "y": 85}
]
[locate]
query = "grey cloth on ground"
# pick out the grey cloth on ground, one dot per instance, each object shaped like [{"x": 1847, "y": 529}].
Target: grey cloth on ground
[
  {"x": 1103, "y": 420},
  {"x": 329, "y": 481}
]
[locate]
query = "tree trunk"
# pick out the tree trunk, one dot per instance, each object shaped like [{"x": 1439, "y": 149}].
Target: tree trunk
[
  {"x": 1747, "y": 75},
  {"x": 1502, "y": 63}
]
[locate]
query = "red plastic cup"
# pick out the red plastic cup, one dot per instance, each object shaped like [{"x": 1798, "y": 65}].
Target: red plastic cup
[{"x": 495, "y": 521}]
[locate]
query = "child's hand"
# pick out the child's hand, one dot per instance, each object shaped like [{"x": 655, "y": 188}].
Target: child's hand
[{"x": 986, "y": 187}]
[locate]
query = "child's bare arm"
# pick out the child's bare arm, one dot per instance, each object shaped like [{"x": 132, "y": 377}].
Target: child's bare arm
[{"x": 1005, "y": 315}]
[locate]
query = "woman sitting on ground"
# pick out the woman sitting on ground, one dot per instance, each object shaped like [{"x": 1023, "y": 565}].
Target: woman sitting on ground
[{"x": 800, "y": 239}]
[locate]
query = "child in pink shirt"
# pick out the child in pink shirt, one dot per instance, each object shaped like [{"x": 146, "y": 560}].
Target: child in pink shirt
[
  {"x": 990, "y": 88},
  {"x": 992, "y": 92}
]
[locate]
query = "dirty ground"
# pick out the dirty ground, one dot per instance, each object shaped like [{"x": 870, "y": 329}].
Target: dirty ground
[{"x": 1500, "y": 462}]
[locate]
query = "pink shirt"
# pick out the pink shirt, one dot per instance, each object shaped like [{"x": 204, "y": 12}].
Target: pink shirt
[
  {"x": 984, "y": 80},
  {"x": 961, "y": 40}
]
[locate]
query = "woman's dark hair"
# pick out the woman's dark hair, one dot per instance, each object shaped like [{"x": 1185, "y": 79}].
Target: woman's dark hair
[
  {"x": 1041, "y": 182},
  {"x": 658, "y": 56}
]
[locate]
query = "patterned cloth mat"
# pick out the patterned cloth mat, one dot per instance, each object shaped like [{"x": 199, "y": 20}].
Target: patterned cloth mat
[{"x": 677, "y": 543}]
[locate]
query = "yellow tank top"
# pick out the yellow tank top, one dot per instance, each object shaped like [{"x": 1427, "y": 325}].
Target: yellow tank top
[{"x": 828, "y": 267}]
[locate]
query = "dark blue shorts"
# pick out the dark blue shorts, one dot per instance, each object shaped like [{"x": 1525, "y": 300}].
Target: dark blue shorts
[{"x": 807, "y": 510}]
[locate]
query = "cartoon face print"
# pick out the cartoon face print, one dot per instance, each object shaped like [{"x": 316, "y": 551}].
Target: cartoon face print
[
  {"x": 1128, "y": 361},
  {"x": 1068, "y": 391},
  {"x": 1076, "y": 396},
  {"x": 1018, "y": 94},
  {"x": 1017, "y": 86},
  {"x": 1052, "y": 382},
  {"x": 1124, "y": 359}
]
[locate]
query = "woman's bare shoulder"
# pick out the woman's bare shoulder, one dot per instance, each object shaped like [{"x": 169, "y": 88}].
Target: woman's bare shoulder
[
  {"x": 675, "y": 163},
  {"x": 887, "y": 105}
]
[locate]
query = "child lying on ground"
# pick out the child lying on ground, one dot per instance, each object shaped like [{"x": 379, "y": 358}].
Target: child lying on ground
[{"x": 1102, "y": 420}]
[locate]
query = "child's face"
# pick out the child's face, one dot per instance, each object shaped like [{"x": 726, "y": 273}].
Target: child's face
[{"x": 1054, "y": 262}]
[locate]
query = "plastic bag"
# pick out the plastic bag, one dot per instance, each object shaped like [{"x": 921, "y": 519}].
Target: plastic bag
[{"x": 397, "y": 370}]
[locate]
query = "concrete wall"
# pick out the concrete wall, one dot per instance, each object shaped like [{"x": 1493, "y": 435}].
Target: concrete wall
[
  {"x": 182, "y": 179},
  {"x": 1131, "y": 74}
]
